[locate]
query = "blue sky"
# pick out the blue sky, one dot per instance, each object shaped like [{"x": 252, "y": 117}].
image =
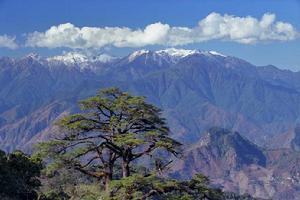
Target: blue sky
[{"x": 19, "y": 19}]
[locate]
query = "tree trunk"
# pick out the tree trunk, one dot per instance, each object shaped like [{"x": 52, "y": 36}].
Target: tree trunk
[
  {"x": 125, "y": 168},
  {"x": 106, "y": 183},
  {"x": 108, "y": 178}
]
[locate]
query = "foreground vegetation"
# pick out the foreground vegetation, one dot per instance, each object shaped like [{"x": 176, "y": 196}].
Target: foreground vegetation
[{"x": 117, "y": 148}]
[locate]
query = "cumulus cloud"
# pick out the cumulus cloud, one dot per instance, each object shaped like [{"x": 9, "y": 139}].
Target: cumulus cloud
[
  {"x": 67, "y": 35},
  {"x": 246, "y": 30},
  {"x": 8, "y": 42}
]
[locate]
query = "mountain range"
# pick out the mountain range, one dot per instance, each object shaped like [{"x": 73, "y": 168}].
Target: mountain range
[{"x": 196, "y": 90}]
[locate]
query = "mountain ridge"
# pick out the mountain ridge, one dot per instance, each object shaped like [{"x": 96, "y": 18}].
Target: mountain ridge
[
  {"x": 208, "y": 89},
  {"x": 234, "y": 163}
]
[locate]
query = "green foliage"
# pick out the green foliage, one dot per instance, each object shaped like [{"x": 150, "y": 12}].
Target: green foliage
[
  {"x": 86, "y": 192},
  {"x": 138, "y": 187},
  {"x": 78, "y": 192},
  {"x": 54, "y": 196},
  {"x": 19, "y": 175},
  {"x": 114, "y": 125}
]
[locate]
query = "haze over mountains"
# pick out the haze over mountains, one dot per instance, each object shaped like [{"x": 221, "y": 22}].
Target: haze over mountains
[{"x": 196, "y": 89}]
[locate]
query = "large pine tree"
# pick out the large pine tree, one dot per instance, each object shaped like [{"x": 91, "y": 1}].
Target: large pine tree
[{"x": 113, "y": 125}]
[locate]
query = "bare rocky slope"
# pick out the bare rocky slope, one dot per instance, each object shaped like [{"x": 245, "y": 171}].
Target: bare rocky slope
[{"x": 236, "y": 164}]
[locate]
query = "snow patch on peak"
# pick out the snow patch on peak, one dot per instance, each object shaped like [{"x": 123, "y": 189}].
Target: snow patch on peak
[
  {"x": 33, "y": 56},
  {"x": 216, "y": 53},
  {"x": 171, "y": 55},
  {"x": 180, "y": 53},
  {"x": 137, "y": 54},
  {"x": 69, "y": 58},
  {"x": 177, "y": 52},
  {"x": 78, "y": 58}
]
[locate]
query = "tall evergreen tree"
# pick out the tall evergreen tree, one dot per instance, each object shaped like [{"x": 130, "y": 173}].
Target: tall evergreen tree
[{"x": 113, "y": 125}]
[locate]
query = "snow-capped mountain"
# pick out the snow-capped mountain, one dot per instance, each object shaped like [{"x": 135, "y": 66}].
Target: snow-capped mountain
[
  {"x": 159, "y": 58},
  {"x": 69, "y": 58},
  {"x": 170, "y": 55},
  {"x": 138, "y": 53},
  {"x": 79, "y": 58},
  {"x": 181, "y": 53},
  {"x": 177, "y": 52},
  {"x": 73, "y": 59},
  {"x": 173, "y": 55}
]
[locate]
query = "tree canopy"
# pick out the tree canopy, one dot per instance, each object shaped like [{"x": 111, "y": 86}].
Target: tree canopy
[
  {"x": 114, "y": 125},
  {"x": 19, "y": 176}
]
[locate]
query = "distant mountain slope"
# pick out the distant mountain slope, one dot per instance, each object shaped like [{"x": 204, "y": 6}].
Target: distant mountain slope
[
  {"x": 236, "y": 164},
  {"x": 196, "y": 89}
]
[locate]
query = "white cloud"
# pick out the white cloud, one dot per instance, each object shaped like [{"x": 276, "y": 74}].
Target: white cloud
[
  {"x": 67, "y": 35},
  {"x": 246, "y": 30},
  {"x": 8, "y": 42}
]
